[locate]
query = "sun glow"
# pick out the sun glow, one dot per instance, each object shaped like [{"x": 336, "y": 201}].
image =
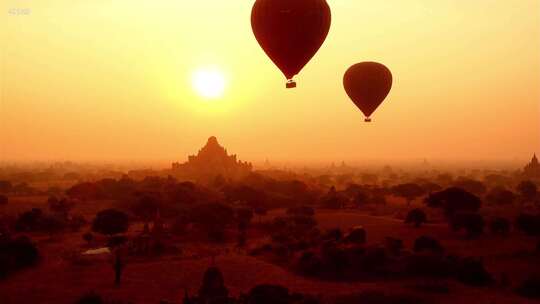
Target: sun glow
[{"x": 209, "y": 83}]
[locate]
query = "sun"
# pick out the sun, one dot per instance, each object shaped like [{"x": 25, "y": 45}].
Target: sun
[{"x": 209, "y": 82}]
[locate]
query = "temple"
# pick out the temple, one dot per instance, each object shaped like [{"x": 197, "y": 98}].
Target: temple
[
  {"x": 212, "y": 161},
  {"x": 532, "y": 169}
]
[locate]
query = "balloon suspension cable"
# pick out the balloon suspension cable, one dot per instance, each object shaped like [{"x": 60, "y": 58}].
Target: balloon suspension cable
[
  {"x": 367, "y": 119},
  {"x": 290, "y": 84}
]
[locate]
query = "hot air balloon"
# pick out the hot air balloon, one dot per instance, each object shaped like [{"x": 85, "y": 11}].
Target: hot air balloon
[
  {"x": 367, "y": 84},
  {"x": 290, "y": 31}
]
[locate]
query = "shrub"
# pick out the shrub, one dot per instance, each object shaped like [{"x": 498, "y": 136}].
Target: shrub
[
  {"x": 309, "y": 263},
  {"x": 35, "y": 221},
  {"x": 528, "y": 223},
  {"x": 500, "y": 226},
  {"x": 530, "y": 288},
  {"x": 472, "y": 222},
  {"x": 471, "y": 271},
  {"x": 427, "y": 243},
  {"x": 116, "y": 240},
  {"x": 16, "y": 254},
  {"x": 357, "y": 235},
  {"x": 268, "y": 294},
  {"x": 212, "y": 218},
  {"x": 417, "y": 217},
  {"x": 334, "y": 234},
  {"x": 88, "y": 237},
  {"x": 91, "y": 298},
  {"x": 500, "y": 196}
]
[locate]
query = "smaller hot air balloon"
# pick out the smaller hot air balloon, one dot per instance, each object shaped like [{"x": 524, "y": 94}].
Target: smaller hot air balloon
[{"x": 367, "y": 84}]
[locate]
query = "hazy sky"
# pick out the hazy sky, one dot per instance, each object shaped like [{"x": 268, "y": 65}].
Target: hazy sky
[{"x": 111, "y": 79}]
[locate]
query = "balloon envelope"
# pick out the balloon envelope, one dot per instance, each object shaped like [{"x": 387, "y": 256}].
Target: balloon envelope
[
  {"x": 290, "y": 31},
  {"x": 367, "y": 84}
]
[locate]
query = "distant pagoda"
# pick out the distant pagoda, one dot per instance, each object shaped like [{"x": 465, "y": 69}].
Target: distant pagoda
[
  {"x": 212, "y": 161},
  {"x": 532, "y": 169}
]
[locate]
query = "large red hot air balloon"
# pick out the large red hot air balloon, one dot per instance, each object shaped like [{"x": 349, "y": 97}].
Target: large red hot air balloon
[
  {"x": 368, "y": 84},
  {"x": 290, "y": 31}
]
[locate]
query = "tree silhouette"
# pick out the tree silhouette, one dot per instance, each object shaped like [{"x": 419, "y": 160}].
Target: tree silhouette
[
  {"x": 528, "y": 190},
  {"x": 454, "y": 200},
  {"x": 408, "y": 191},
  {"x": 417, "y": 217},
  {"x": 110, "y": 222},
  {"x": 500, "y": 196}
]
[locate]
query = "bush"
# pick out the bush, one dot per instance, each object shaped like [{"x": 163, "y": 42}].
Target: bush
[
  {"x": 91, "y": 298},
  {"x": 429, "y": 265},
  {"x": 116, "y": 240},
  {"x": 472, "y": 272},
  {"x": 500, "y": 196},
  {"x": 334, "y": 234},
  {"x": 213, "y": 219},
  {"x": 500, "y": 226},
  {"x": 472, "y": 222},
  {"x": 357, "y": 235},
  {"x": 268, "y": 294},
  {"x": 528, "y": 223},
  {"x": 530, "y": 288},
  {"x": 110, "y": 221},
  {"x": 16, "y": 254},
  {"x": 77, "y": 222},
  {"x": 417, "y": 217},
  {"x": 88, "y": 237},
  {"x": 35, "y": 221},
  {"x": 427, "y": 243},
  {"x": 309, "y": 263},
  {"x": 453, "y": 200}
]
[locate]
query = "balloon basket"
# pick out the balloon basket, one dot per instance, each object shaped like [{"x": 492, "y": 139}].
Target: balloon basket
[
  {"x": 367, "y": 119},
  {"x": 291, "y": 84}
]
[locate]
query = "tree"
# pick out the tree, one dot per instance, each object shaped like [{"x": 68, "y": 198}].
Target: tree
[
  {"x": 430, "y": 187},
  {"x": 16, "y": 254},
  {"x": 471, "y": 185},
  {"x": 427, "y": 243},
  {"x": 3, "y": 200},
  {"x": 409, "y": 191},
  {"x": 212, "y": 218},
  {"x": 5, "y": 186},
  {"x": 145, "y": 207},
  {"x": 528, "y": 190},
  {"x": 500, "y": 196},
  {"x": 333, "y": 200},
  {"x": 471, "y": 271},
  {"x": 60, "y": 206},
  {"x": 472, "y": 222},
  {"x": 110, "y": 222},
  {"x": 417, "y": 217},
  {"x": 528, "y": 223},
  {"x": 454, "y": 200}
]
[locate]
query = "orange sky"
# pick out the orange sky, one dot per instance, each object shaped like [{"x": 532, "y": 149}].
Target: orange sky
[{"x": 102, "y": 79}]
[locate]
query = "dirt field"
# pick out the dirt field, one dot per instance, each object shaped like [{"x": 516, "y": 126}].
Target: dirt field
[{"x": 57, "y": 280}]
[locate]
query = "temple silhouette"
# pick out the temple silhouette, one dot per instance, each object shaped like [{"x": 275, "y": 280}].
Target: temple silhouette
[
  {"x": 532, "y": 169},
  {"x": 211, "y": 161}
]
